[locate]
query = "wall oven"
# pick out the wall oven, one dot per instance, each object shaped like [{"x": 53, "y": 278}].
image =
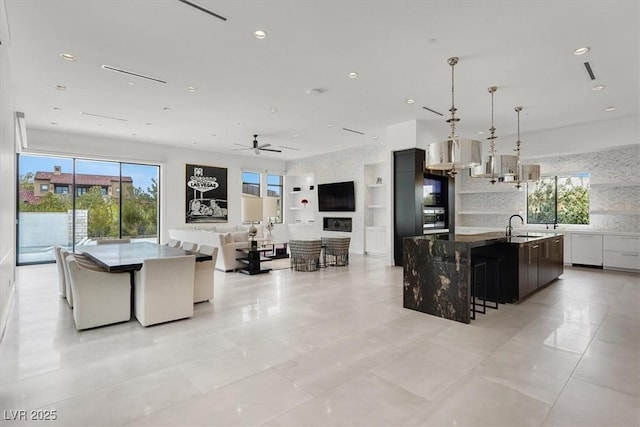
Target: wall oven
[{"x": 433, "y": 217}]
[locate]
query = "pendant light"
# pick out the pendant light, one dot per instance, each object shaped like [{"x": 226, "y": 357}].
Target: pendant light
[
  {"x": 526, "y": 173},
  {"x": 497, "y": 167},
  {"x": 454, "y": 153}
]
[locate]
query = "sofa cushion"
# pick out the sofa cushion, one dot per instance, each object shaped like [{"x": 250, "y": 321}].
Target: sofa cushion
[{"x": 240, "y": 236}]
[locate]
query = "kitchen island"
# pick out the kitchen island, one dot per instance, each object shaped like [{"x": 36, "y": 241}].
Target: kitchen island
[{"x": 437, "y": 269}]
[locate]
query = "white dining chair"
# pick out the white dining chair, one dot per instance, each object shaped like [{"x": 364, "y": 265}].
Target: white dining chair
[
  {"x": 204, "y": 275},
  {"x": 99, "y": 298},
  {"x": 173, "y": 243},
  {"x": 62, "y": 283},
  {"x": 189, "y": 246},
  {"x": 163, "y": 289}
]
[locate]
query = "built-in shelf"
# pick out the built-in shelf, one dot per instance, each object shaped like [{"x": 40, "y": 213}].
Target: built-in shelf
[
  {"x": 501, "y": 190},
  {"x": 613, "y": 212},
  {"x": 375, "y": 185},
  {"x": 614, "y": 184},
  {"x": 484, "y": 212},
  {"x": 295, "y": 208},
  {"x": 376, "y": 207}
]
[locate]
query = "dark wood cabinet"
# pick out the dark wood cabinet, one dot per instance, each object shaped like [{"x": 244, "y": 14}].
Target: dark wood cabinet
[
  {"x": 408, "y": 167},
  {"x": 408, "y": 196}
]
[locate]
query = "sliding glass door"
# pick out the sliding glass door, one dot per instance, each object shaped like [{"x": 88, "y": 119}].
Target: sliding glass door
[{"x": 71, "y": 202}]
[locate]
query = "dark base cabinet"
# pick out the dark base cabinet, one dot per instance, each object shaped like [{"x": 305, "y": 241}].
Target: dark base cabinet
[{"x": 527, "y": 267}]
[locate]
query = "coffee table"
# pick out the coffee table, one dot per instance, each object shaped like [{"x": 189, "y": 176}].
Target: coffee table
[{"x": 252, "y": 258}]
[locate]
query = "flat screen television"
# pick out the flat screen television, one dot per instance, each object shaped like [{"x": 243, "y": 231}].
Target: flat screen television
[{"x": 337, "y": 197}]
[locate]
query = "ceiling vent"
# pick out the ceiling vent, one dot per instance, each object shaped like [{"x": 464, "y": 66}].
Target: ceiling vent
[
  {"x": 131, "y": 73},
  {"x": 589, "y": 70},
  {"x": 433, "y": 111},
  {"x": 103, "y": 117},
  {"x": 202, "y": 9},
  {"x": 353, "y": 131}
]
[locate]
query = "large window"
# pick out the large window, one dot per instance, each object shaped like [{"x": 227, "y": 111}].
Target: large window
[
  {"x": 274, "y": 189},
  {"x": 561, "y": 199},
  {"x": 86, "y": 204},
  {"x": 251, "y": 183}
]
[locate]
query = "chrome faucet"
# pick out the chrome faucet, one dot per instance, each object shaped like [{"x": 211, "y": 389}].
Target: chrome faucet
[{"x": 509, "y": 227}]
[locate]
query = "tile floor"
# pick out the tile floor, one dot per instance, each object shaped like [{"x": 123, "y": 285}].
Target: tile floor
[{"x": 331, "y": 348}]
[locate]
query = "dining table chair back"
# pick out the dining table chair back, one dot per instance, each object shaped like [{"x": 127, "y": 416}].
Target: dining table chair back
[
  {"x": 99, "y": 298},
  {"x": 203, "y": 283},
  {"x": 163, "y": 289}
]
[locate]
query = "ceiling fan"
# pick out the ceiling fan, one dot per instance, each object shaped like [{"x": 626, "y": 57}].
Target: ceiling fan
[{"x": 256, "y": 147}]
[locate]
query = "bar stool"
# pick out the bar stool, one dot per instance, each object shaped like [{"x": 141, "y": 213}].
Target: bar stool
[
  {"x": 478, "y": 269},
  {"x": 493, "y": 264}
]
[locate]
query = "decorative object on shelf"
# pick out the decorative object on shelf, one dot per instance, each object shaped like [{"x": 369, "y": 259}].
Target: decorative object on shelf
[
  {"x": 252, "y": 212},
  {"x": 212, "y": 181},
  {"x": 270, "y": 212},
  {"x": 311, "y": 187},
  {"x": 497, "y": 166},
  {"x": 525, "y": 173},
  {"x": 296, "y": 189},
  {"x": 304, "y": 202},
  {"x": 379, "y": 180},
  {"x": 454, "y": 153}
]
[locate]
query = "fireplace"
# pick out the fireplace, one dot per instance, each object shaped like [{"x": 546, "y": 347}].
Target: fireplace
[{"x": 336, "y": 224}]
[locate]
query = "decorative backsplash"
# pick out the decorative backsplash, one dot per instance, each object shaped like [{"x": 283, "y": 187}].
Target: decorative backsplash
[{"x": 614, "y": 192}]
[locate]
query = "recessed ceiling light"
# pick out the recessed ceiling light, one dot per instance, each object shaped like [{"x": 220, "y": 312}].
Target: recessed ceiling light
[
  {"x": 273, "y": 110},
  {"x": 238, "y": 123},
  {"x": 191, "y": 88},
  {"x": 329, "y": 125},
  {"x": 67, "y": 57},
  {"x": 374, "y": 137},
  {"x": 481, "y": 132},
  {"x": 61, "y": 87},
  {"x": 353, "y": 75},
  {"x": 148, "y": 124},
  {"x": 131, "y": 84},
  {"x": 133, "y": 134},
  {"x": 610, "y": 108},
  {"x": 295, "y": 135},
  {"x": 581, "y": 50},
  {"x": 166, "y": 108},
  {"x": 410, "y": 101},
  {"x": 54, "y": 123},
  {"x": 56, "y": 108},
  {"x": 598, "y": 87},
  {"x": 213, "y": 134},
  {"x": 260, "y": 34}
]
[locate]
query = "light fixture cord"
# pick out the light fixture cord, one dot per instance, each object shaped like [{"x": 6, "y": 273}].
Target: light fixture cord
[
  {"x": 492, "y": 140},
  {"x": 452, "y": 121},
  {"x": 517, "y": 150}
]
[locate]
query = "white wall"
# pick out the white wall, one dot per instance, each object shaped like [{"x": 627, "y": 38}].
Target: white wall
[
  {"x": 171, "y": 159},
  {"x": 347, "y": 165},
  {"x": 7, "y": 178}
]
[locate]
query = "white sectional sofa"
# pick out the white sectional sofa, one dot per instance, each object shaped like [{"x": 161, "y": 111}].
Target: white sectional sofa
[{"x": 226, "y": 238}]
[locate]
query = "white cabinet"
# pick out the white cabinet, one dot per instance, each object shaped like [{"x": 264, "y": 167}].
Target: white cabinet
[
  {"x": 586, "y": 249},
  {"x": 376, "y": 240},
  {"x": 567, "y": 248},
  {"x": 621, "y": 252}
]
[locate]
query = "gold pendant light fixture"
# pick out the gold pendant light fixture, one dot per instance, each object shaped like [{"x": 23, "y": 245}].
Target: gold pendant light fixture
[
  {"x": 454, "y": 153},
  {"x": 526, "y": 173},
  {"x": 497, "y": 167}
]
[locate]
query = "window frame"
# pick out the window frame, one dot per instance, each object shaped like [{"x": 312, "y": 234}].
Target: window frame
[
  {"x": 557, "y": 209},
  {"x": 280, "y": 186},
  {"x": 248, "y": 184}
]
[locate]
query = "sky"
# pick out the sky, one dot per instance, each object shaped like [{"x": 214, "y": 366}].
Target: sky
[{"x": 141, "y": 174}]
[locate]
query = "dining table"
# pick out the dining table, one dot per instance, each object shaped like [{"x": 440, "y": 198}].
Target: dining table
[{"x": 118, "y": 257}]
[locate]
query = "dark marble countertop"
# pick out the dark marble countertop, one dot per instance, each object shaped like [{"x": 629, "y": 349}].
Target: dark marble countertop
[{"x": 484, "y": 239}]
